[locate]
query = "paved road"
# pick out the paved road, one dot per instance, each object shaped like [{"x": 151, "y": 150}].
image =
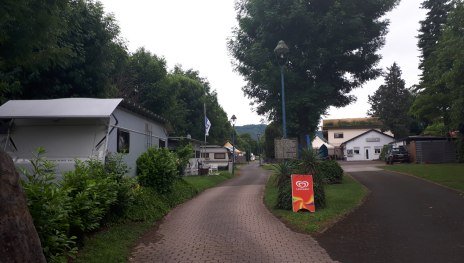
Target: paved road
[
  {"x": 403, "y": 220},
  {"x": 228, "y": 223}
]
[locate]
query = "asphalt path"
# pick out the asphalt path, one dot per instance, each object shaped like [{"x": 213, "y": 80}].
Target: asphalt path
[{"x": 404, "y": 219}]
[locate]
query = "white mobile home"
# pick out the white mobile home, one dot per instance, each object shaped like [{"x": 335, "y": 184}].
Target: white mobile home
[{"x": 78, "y": 129}]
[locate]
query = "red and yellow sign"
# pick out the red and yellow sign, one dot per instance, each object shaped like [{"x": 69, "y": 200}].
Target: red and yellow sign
[{"x": 302, "y": 192}]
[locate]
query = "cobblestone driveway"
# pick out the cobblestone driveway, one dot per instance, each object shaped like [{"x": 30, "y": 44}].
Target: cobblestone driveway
[{"x": 228, "y": 223}]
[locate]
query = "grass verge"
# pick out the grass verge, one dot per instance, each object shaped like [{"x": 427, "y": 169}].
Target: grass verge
[
  {"x": 450, "y": 175},
  {"x": 340, "y": 199},
  {"x": 114, "y": 243}
]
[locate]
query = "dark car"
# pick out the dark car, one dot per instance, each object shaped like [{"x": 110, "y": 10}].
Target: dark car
[{"x": 396, "y": 154}]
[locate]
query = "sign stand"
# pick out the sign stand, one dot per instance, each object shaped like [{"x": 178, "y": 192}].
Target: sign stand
[{"x": 302, "y": 193}]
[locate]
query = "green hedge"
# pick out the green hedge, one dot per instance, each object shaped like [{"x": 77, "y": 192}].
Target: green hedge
[{"x": 330, "y": 171}]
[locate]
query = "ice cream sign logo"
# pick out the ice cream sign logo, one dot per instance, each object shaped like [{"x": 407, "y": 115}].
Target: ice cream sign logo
[
  {"x": 302, "y": 193},
  {"x": 302, "y": 185}
]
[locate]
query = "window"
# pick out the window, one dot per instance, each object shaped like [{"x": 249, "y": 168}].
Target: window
[
  {"x": 219, "y": 156},
  {"x": 338, "y": 135},
  {"x": 197, "y": 154},
  {"x": 349, "y": 152},
  {"x": 205, "y": 155},
  {"x": 356, "y": 150},
  {"x": 377, "y": 150},
  {"x": 162, "y": 143},
  {"x": 123, "y": 143}
]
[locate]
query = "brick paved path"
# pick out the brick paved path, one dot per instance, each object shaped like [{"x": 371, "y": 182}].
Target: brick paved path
[{"x": 229, "y": 223}]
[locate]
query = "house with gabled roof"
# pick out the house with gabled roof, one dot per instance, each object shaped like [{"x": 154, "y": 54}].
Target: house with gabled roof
[
  {"x": 338, "y": 131},
  {"x": 365, "y": 146}
]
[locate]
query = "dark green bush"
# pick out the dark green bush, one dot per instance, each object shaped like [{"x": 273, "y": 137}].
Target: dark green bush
[
  {"x": 92, "y": 192},
  {"x": 330, "y": 171},
  {"x": 183, "y": 153},
  {"x": 308, "y": 165},
  {"x": 157, "y": 168},
  {"x": 383, "y": 152},
  {"x": 50, "y": 208},
  {"x": 283, "y": 172},
  {"x": 117, "y": 170}
]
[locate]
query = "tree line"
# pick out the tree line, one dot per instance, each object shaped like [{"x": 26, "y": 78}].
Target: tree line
[
  {"x": 71, "y": 48},
  {"x": 435, "y": 106}
]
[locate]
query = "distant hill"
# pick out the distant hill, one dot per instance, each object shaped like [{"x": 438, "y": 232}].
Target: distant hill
[{"x": 252, "y": 129}]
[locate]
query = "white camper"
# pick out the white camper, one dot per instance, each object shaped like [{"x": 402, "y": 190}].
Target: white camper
[{"x": 78, "y": 129}]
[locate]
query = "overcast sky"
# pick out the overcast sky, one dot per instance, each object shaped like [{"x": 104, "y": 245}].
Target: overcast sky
[{"x": 194, "y": 34}]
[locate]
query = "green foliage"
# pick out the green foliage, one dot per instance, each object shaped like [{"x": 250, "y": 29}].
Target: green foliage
[
  {"x": 440, "y": 98},
  {"x": 50, "y": 208},
  {"x": 92, "y": 193},
  {"x": 157, "y": 168},
  {"x": 330, "y": 171},
  {"x": 391, "y": 103},
  {"x": 245, "y": 142},
  {"x": 116, "y": 169},
  {"x": 184, "y": 153},
  {"x": 283, "y": 172},
  {"x": 341, "y": 199},
  {"x": 332, "y": 50},
  {"x": 252, "y": 129},
  {"x": 308, "y": 165},
  {"x": 383, "y": 152},
  {"x": 272, "y": 132}
]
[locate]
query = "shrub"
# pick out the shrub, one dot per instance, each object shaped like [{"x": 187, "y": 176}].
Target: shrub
[
  {"x": 92, "y": 193},
  {"x": 157, "y": 168},
  {"x": 383, "y": 152},
  {"x": 283, "y": 173},
  {"x": 308, "y": 165},
  {"x": 49, "y": 206},
  {"x": 117, "y": 170},
  {"x": 330, "y": 171},
  {"x": 183, "y": 155}
]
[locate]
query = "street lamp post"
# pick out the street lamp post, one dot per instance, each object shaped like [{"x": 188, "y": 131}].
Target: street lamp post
[
  {"x": 259, "y": 148},
  {"x": 281, "y": 51},
  {"x": 233, "y": 119}
]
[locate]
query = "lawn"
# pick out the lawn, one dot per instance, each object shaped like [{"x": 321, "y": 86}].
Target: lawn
[
  {"x": 340, "y": 199},
  {"x": 450, "y": 175},
  {"x": 114, "y": 243}
]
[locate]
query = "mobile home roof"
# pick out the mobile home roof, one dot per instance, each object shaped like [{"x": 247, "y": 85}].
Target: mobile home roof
[{"x": 59, "y": 108}]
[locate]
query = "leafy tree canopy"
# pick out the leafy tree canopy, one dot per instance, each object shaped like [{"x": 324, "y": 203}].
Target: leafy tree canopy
[
  {"x": 332, "y": 44},
  {"x": 391, "y": 103}
]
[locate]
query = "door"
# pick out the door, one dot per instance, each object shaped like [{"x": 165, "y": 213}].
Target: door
[{"x": 367, "y": 153}]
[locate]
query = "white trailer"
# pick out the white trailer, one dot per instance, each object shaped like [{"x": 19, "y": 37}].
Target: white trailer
[{"x": 78, "y": 129}]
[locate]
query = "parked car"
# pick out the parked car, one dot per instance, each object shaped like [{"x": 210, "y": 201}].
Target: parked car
[{"x": 396, "y": 154}]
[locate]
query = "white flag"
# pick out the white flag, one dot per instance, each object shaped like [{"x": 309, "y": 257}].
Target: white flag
[{"x": 207, "y": 126}]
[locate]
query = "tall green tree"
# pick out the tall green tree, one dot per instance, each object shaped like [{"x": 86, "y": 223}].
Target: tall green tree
[
  {"x": 75, "y": 56},
  {"x": 391, "y": 103},
  {"x": 431, "y": 27},
  {"x": 29, "y": 41},
  {"x": 332, "y": 44}
]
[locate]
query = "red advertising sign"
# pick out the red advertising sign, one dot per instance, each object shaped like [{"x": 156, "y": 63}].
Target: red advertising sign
[{"x": 302, "y": 192}]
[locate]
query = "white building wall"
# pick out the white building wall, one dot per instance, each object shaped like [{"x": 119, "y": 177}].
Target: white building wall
[
  {"x": 366, "y": 145},
  {"x": 348, "y": 134},
  {"x": 141, "y": 138}
]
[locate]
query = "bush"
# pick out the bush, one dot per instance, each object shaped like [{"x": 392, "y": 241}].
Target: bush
[
  {"x": 308, "y": 165},
  {"x": 92, "y": 193},
  {"x": 283, "y": 173},
  {"x": 117, "y": 169},
  {"x": 157, "y": 168},
  {"x": 330, "y": 171},
  {"x": 183, "y": 155},
  {"x": 50, "y": 208},
  {"x": 383, "y": 152}
]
